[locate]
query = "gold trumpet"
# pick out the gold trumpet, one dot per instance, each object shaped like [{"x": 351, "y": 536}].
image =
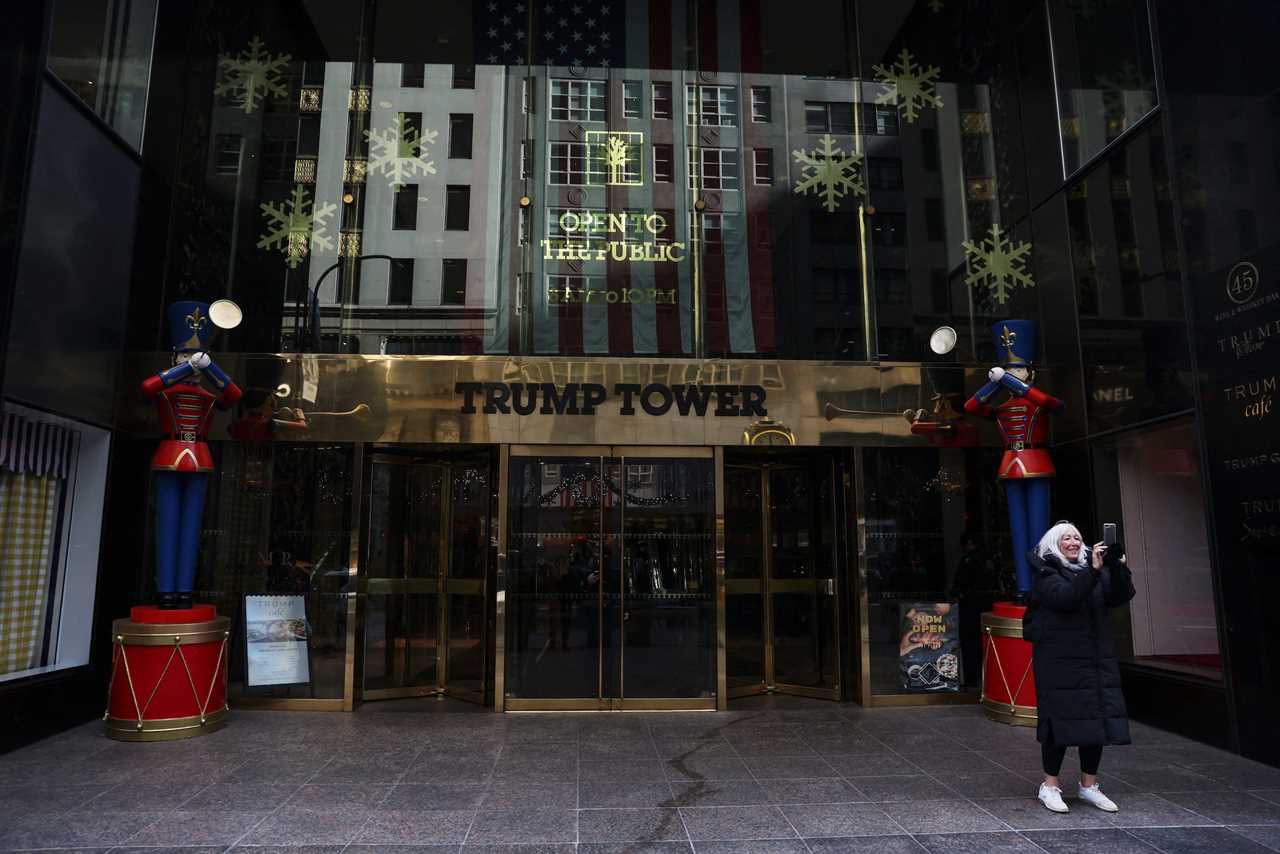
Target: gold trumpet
[{"x": 296, "y": 413}]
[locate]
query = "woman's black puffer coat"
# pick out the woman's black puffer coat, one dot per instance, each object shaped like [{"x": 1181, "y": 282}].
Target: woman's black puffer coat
[{"x": 1077, "y": 675}]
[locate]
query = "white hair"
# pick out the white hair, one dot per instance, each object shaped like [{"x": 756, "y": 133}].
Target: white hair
[{"x": 1049, "y": 544}]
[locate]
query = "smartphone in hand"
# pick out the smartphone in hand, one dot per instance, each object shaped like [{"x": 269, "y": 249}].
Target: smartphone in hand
[{"x": 1109, "y": 533}]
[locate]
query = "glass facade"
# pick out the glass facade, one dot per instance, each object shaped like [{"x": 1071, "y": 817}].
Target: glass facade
[{"x": 615, "y": 355}]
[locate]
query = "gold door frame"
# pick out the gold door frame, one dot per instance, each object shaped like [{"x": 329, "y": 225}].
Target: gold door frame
[
  {"x": 599, "y": 702},
  {"x": 767, "y": 586}
]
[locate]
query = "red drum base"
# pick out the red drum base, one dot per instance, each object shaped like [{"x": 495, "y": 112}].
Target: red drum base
[
  {"x": 168, "y": 674},
  {"x": 1008, "y": 683}
]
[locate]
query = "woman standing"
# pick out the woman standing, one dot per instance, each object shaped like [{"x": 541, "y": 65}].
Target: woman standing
[{"x": 1077, "y": 676}]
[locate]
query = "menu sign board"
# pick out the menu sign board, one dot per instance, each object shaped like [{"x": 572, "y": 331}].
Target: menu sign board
[
  {"x": 929, "y": 652},
  {"x": 276, "y": 641}
]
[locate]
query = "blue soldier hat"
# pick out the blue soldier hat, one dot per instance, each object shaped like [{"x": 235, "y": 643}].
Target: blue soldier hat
[
  {"x": 190, "y": 328},
  {"x": 1015, "y": 342}
]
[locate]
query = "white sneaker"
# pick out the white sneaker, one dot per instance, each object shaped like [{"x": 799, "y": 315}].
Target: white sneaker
[
  {"x": 1093, "y": 795},
  {"x": 1051, "y": 797}
]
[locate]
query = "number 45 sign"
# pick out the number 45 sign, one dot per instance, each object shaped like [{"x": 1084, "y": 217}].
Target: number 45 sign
[{"x": 1242, "y": 282}]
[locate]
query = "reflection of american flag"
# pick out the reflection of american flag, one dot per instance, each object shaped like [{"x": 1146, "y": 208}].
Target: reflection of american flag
[
  {"x": 648, "y": 41},
  {"x": 586, "y": 34}
]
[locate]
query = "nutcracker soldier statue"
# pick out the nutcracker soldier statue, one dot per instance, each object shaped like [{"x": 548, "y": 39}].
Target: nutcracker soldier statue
[
  {"x": 169, "y": 660},
  {"x": 1026, "y": 468},
  {"x": 182, "y": 463}
]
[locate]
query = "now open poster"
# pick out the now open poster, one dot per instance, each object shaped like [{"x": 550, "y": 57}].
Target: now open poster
[{"x": 929, "y": 651}]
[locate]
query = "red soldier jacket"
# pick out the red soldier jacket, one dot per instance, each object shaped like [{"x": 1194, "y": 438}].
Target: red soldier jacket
[
  {"x": 186, "y": 411},
  {"x": 1025, "y": 428}
]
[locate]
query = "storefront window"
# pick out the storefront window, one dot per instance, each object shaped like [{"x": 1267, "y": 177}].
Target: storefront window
[
  {"x": 278, "y": 523},
  {"x": 1149, "y": 484},
  {"x": 936, "y": 535},
  {"x": 53, "y": 473}
]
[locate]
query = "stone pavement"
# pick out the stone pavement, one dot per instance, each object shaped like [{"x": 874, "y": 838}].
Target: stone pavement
[{"x": 766, "y": 778}]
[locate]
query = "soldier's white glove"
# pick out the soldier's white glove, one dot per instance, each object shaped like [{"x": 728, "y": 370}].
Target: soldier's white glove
[
  {"x": 995, "y": 374},
  {"x": 200, "y": 360}
]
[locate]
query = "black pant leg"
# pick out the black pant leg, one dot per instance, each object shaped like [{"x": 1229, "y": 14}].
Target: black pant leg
[
  {"x": 1051, "y": 758},
  {"x": 1090, "y": 759}
]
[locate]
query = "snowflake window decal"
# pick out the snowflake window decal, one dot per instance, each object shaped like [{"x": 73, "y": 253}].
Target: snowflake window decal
[
  {"x": 998, "y": 264},
  {"x": 296, "y": 226},
  {"x": 252, "y": 75},
  {"x": 399, "y": 152},
  {"x": 829, "y": 172},
  {"x": 910, "y": 85}
]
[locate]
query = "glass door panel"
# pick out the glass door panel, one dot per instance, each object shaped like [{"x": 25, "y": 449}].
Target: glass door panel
[
  {"x": 554, "y": 589},
  {"x": 781, "y": 628},
  {"x": 744, "y": 555},
  {"x": 610, "y": 580},
  {"x": 802, "y": 583},
  {"x": 465, "y": 591},
  {"x": 668, "y": 591},
  {"x": 402, "y": 608}
]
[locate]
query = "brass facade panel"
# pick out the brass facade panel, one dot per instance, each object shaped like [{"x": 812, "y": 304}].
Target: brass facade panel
[{"x": 402, "y": 399}]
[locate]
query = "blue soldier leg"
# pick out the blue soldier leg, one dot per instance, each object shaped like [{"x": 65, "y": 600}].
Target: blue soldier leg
[
  {"x": 1037, "y": 508},
  {"x": 167, "y": 508},
  {"x": 1016, "y": 493},
  {"x": 193, "y": 486}
]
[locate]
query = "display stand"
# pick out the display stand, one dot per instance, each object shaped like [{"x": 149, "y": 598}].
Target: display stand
[
  {"x": 168, "y": 674},
  {"x": 1008, "y": 683}
]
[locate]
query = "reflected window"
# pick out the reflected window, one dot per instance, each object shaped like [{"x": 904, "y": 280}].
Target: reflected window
[
  {"x": 400, "y": 289},
  {"x": 892, "y": 287},
  {"x": 457, "y": 209},
  {"x": 524, "y": 226},
  {"x": 884, "y": 173},
  {"x": 405, "y": 213},
  {"x": 578, "y": 101},
  {"x": 453, "y": 281},
  {"x": 662, "y": 105},
  {"x": 835, "y": 228},
  {"x": 632, "y": 99},
  {"x": 889, "y": 229},
  {"x": 227, "y": 152},
  {"x": 579, "y": 226},
  {"x": 762, "y": 166},
  {"x": 717, "y": 229},
  {"x": 464, "y": 77},
  {"x": 929, "y": 157},
  {"x": 713, "y": 168},
  {"x": 879, "y": 121},
  {"x": 935, "y": 221},
  {"x": 460, "y": 130},
  {"x": 664, "y": 168},
  {"x": 761, "y": 104},
  {"x": 573, "y": 164},
  {"x": 828, "y": 117},
  {"x": 573, "y": 290},
  {"x": 413, "y": 75},
  {"x": 712, "y": 105}
]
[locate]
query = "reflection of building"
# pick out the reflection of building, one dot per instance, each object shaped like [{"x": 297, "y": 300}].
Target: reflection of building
[{"x": 561, "y": 283}]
